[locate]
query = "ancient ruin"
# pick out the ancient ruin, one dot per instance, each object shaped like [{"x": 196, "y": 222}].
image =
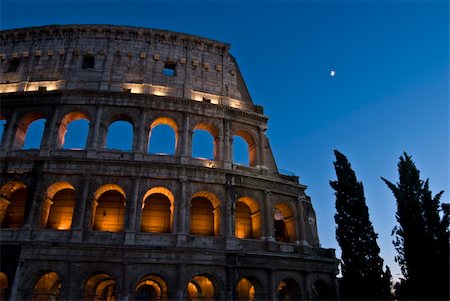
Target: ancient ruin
[{"x": 95, "y": 223}]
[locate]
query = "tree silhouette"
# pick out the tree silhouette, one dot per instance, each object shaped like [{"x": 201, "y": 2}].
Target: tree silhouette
[
  {"x": 421, "y": 236},
  {"x": 362, "y": 267}
]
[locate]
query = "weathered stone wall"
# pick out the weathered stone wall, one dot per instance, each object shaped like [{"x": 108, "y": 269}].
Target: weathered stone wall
[{"x": 206, "y": 92}]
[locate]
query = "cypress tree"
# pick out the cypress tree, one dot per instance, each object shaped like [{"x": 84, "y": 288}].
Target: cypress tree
[
  {"x": 361, "y": 265},
  {"x": 421, "y": 236}
]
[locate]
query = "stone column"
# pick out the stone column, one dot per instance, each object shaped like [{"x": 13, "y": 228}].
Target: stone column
[
  {"x": 8, "y": 135},
  {"x": 183, "y": 218},
  {"x": 301, "y": 221},
  {"x": 180, "y": 285},
  {"x": 186, "y": 149},
  {"x": 49, "y": 137},
  {"x": 130, "y": 230},
  {"x": 227, "y": 144},
  {"x": 269, "y": 218},
  {"x": 45, "y": 211},
  {"x": 93, "y": 144},
  {"x": 141, "y": 147},
  {"x": 262, "y": 142},
  {"x": 272, "y": 286},
  {"x": 80, "y": 211}
]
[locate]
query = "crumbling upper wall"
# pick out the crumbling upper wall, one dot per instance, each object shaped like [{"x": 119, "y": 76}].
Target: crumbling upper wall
[{"x": 117, "y": 58}]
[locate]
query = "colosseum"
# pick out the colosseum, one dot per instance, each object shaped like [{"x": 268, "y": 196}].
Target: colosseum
[{"x": 95, "y": 222}]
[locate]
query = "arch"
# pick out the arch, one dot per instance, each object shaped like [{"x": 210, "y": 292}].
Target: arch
[
  {"x": 205, "y": 214},
  {"x": 2, "y": 127},
  {"x": 59, "y": 206},
  {"x": 151, "y": 288},
  {"x": 249, "y": 288},
  {"x": 100, "y": 286},
  {"x": 288, "y": 289},
  {"x": 240, "y": 151},
  {"x": 205, "y": 141},
  {"x": 3, "y": 286},
  {"x": 157, "y": 210},
  {"x": 34, "y": 134},
  {"x": 120, "y": 133},
  {"x": 250, "y": 140},
  {"x": 284, "y": 223},
  {"x": 75, "y": 127},
  {"x": 109, "y": 208},
  {"x": 201, "y": 287},
  {"x": 13, "y": 201},
  {"x": 247, "y": 218},
  {"x": 47, "y": 288},
  {"x": 22, "y": 135},
  {"x": 156, "y": 140}
]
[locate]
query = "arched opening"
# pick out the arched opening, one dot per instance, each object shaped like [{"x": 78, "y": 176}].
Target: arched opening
[
  {"x": 202, "y": 145},
  {"x": 109, "y": 208},
  {"x": 247, "y": 218},
  {"x": 157, "y": 211},
  {"x": 163, "y": 137},
  {"x": 240, "y": 151},
  {"x": 245, "y": 290},
  {"x": 200, "y": 288},
  {"x": 288, "y": 289},
  {"x": 322, "y": 291},
  {"x": 13, "y": 203},
  {"x": 23, "y": 131},
  {"x": 151, "y": 288},
  {"x": 60, "y": 202},
  {"x": 47, "y": 288},
  {"x": 2, "y": 128},
  {"x": 100, "y": 286},
  {"x": 284, "y": 223},
  {"x": 120, "y": 136},
  {"x": 73, "y": 131},
  {"x": 34, "y": 134},
  {"x": 244, "y": 149},
  {"x": 204, "y": 214},
  {"x": 3, "y": 286}
]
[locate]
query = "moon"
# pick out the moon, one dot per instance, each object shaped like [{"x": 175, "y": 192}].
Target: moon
[{"x": 332, "y": 73}]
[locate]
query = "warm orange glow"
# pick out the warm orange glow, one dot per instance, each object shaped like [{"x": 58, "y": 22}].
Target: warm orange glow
[
  {"x": 245, "y": 290},
  {"x": 3, "y": 285},
  {"x": 10, "y": 88},
  {"x": 284, "y": 223},
  {"x": 15, "y": 212},
  {"x": 48, "y": 287},
  {"x": 200, "y": 287},
  {"x": 50, "y": 85},
  {"x": 243, "y": 225},
  {"x": 109, "y": 211},
  {"x": 202, "y": 217},
  {"x": 156, "y": 214},
  {"x": 61, "y": 210},
  {"x": 151, "y": 288},
  {"x": 100, "y": 287}
]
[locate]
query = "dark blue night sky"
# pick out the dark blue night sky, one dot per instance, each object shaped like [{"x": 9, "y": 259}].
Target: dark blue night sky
[{"x": 390, "y": 92}]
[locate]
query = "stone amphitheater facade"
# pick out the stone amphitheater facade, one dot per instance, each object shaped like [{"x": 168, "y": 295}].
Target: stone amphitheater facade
[{"x": 105, "y": 224}]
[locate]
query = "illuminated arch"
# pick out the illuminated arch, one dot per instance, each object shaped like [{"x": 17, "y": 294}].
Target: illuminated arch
[
  {"x": 120, "y": 123},
  {"x": 213, "y": 131},
  {"x": 205, "y": 214},
  {"x": 164, "y": 121},
  {"x": 250, "y": 143},
  {"x": 48, "y": 287},
  {"x": 3, "y": 285},
  {"x": 100, "y": 286},
  {"x": 13, "y": 200},
  {"x": 284, "y": 223},
  {"x": 151, "y": 288},
  {"x": 250, "y": 288},
  {"x": 65, "y": 123},
  {"x": 201, "y": 288},
  {"x": 59, "y": 205},
  {"x": 22, "y": 128},
  {"x": 289, "y": 289},
  {"x": 247, "y": 218},
  {"x": 157, "y": 212},
  {"x": 109, "y": 208}
]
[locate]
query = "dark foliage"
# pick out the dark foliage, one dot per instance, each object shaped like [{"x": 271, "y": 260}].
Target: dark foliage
[
  {"x": 421, "y": 237},
  {"x": 362, "y": 267}
]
